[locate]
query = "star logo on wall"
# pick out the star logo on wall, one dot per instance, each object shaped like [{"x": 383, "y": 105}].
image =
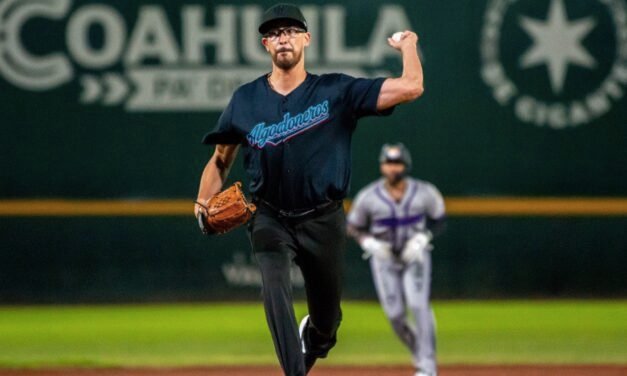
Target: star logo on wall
[{"x": 557, "y": 42}]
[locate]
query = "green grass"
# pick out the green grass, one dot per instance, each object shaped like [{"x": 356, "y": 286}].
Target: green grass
[{"x": 207, "y": 334}]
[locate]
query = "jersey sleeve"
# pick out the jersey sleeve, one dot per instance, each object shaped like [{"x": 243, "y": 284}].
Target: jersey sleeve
[
  {"x": 224, "y": 132},
  {"x": 362, "y": 95},
  {"x": 435, "y": 206},
  {"x": 358, "y": 215}
]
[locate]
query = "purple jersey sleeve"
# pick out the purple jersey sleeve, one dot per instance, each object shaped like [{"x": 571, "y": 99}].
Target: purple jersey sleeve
[
  {"x": 358, "y": 214},
  {"x": 435, "y": 204}
]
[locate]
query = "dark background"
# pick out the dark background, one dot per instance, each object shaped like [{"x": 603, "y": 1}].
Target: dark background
[{"x": 461, "y": 139}]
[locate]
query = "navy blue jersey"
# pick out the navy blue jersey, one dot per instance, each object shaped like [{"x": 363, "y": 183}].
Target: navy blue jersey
[{"x": 297, "y": 147}]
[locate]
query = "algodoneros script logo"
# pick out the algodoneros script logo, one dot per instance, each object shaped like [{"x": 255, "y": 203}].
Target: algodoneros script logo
[
  {"x": 558, "y": 63},
  {"x": 148, "y": 65}
]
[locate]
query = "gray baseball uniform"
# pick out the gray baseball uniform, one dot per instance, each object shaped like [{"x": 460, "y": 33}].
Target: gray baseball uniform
[{"x": 400, "y": 285}]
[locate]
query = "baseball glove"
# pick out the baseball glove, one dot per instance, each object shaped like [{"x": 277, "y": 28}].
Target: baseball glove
[{"x": 225, "y": 211}]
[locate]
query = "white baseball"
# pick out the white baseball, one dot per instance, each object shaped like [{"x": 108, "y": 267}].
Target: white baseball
[{"x": 396, "y": 37}]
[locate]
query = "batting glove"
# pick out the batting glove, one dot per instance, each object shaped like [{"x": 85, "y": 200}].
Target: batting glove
[
  {"x": 414, "y": 250},
  {"x": 376, "y": 248}
]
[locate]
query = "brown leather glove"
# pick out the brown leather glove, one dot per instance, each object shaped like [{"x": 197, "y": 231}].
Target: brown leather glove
[{"x": 225, "y": 211}]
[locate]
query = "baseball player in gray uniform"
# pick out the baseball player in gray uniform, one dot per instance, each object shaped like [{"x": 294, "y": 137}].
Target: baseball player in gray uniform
[{"x": 394, "y": 219}]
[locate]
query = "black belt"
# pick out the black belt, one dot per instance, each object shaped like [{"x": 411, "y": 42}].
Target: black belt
[{"x": 317, "y": 210}]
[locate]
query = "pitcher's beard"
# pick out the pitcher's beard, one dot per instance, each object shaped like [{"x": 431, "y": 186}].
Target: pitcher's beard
[{"x": 287, "y": 63}]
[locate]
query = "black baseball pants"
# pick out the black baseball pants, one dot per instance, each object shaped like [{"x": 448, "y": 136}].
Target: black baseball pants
[{"x": 316, "y": 244}]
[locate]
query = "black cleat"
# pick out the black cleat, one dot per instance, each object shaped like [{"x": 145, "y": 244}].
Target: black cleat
[{"x": 310, "y": 359}]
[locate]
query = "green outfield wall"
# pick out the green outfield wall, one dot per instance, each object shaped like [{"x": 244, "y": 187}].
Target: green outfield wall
[
  {"x": 164, "y": 258},
  {"x": 108, "y": 101}
]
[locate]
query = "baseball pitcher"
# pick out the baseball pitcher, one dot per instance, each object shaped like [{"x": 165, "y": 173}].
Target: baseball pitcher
[
  {"x": 394, "y": 219},
  {"x": 294, "y": 129}
]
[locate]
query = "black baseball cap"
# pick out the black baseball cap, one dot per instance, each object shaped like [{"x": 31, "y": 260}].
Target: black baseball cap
[{"x": 288, "y": 13}]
